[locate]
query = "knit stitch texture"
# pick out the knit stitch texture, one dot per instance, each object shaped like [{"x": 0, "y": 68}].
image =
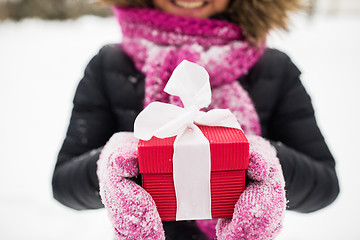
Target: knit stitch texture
[
  {"x": 131, "y": 209},
  {"x": 260, "y": 209}
]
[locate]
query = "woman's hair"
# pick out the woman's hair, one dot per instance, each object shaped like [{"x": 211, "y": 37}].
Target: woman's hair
[{"x": 255, "y": 17}]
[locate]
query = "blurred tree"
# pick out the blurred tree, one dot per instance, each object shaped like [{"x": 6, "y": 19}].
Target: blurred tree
[
  {"x": 311, "y": 7},
  {"x": 50, "y": 9}
]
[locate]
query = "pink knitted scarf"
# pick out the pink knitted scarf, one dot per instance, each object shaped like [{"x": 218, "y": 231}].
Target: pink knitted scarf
[{"x": 157, "y": 42}]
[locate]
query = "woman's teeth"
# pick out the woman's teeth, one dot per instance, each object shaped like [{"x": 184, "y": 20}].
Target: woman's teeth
[{"x": 191, "y": 5}]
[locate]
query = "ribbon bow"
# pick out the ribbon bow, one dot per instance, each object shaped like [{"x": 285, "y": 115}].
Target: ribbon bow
[{"x": 191, "y": 159}]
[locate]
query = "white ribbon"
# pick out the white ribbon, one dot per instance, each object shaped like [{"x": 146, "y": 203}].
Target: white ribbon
[{"x": 192, "y": 158}]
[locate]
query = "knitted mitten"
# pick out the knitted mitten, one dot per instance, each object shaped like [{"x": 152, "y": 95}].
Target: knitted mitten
[
  {"x": 131, "y": 209},
  {"x": 259, "y": 211}
]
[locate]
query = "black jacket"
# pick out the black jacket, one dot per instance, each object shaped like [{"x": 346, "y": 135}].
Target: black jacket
[{"x": 110, "y": 96}]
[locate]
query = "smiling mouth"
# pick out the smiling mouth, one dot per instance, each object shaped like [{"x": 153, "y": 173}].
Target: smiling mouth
[{"x": 189, "y": 5}]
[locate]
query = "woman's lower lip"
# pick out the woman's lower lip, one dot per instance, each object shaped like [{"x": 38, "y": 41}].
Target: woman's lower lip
[
  {"x": 195, "y": 11},
  {"x": 189, "y": 4}
]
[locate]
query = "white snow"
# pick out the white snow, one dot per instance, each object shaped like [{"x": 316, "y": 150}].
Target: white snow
[{"x": 41, "y": 63}]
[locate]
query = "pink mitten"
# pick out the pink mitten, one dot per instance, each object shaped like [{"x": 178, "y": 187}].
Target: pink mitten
[
  {"x": 131, "y": 209},
  {"x": 259, "y": 211}
]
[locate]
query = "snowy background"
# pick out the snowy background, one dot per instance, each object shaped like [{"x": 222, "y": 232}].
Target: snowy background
[{"x": 41, "y": 63}]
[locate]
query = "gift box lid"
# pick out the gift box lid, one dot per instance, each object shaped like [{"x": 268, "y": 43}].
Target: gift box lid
[{"x": 228, "y": 146}]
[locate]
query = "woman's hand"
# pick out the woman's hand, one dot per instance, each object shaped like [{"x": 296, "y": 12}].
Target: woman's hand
[
  {"x": 131, "y": 209},
  {"x": 259, "y": 211}
]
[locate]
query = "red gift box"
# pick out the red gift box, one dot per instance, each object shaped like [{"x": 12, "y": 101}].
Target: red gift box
[{"x": 229, "y": 158}]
